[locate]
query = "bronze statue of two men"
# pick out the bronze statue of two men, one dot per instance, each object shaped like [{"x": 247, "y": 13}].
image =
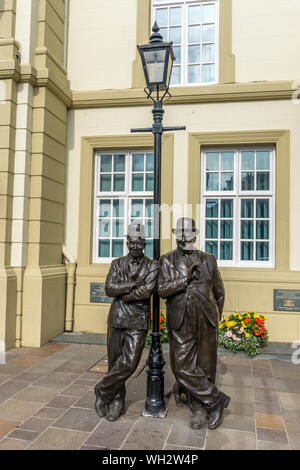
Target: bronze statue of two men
[{"x": 190, "y": 282}]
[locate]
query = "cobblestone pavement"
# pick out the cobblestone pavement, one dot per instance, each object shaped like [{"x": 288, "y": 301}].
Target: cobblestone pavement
[{"x": 47, "y": 402}]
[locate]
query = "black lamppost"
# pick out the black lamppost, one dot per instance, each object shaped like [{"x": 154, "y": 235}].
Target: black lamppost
[{"x": 157, "y": 60}]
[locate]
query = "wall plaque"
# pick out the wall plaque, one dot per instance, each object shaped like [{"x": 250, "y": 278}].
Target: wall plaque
[
  {"x": 287, "y": 300},
  {"x": 97, "y": 294}
]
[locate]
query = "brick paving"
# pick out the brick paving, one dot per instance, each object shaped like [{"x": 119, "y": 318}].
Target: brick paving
[{"x": 47, "y": 402}]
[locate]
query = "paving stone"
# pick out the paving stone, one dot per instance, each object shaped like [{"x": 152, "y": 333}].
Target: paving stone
[
  {"x": 36, "y": 394},
  {"x": 288, "y": 385},
  {"x": 265, "y": 445},
  {"x": 285, "y": 369},
  {"x": 264, "y": 382},
  {"x": 175, "y": 447},
  {"x": 23, "y": 435},
  {"x": 78, "y": 419},
  {"x": 239, "y": 369},
  {"x": 260, "y": 363},
  {"x": 240, "y": 394},
  {"x": 85, "y": 447},
  {"x": 11, "y": 369},
  {"x": 56, "y": 380},
  {"x": 134, "y": 409},
  {"x": 272, "y": 435},
  {"x": 6, "y": 426},
  {"x": 52, "y": 413},
  {"x": 269, "y": 421},
  {"x": 87, "y": 401},
  {"x": 266, "y": 395},
  {"x": 73, "y": 366},
  {"x": 225, "y": 439},
  {"x": 110, "y": 435},
  {"x": 47, "y": 366},
  {"x": 28, "y": 377},
  {"x": 291, "y": 416},
  {"x": 36, "y": 424},
  {"x": 4, "y": 378},
  {"x": 293, "y": 431},
  {"x": 183, "y": 435},
  {"x": 240, "y": 381},
  {"x": 18, "y": 410},
  {"x": 74, "y": 391},
  {"x": 92, "y": 376},
  {"x": 239, "y": 408},
  {"x": 262, "y": 372},
  {"x": 13, "y": 444},
  {"x": 28, "y": 360},
  {"x": 267, "y": 408},
  {"x": 238, "y": 422},
  {"x": 62, "y": 401},
  {"x": 10, "y": 388},
  {"x": 59, "y": 439},
  {"x": 290, "y": 401},
  {"x": 147, "y": 434}
]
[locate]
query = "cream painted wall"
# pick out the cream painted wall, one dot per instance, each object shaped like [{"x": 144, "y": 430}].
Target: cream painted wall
[
  {"x": 266, "y": 39},
  {"x": 102, "y": 43},
  {"x": 196, "y": 118}
]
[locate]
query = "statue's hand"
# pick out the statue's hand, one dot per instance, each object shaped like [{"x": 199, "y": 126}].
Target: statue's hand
[{"x": 191, "y": 272}]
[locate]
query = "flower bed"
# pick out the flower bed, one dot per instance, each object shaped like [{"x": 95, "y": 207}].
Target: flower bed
[
  {"x": 243, "y": 332},
  {"x": 163, "y": 329}
]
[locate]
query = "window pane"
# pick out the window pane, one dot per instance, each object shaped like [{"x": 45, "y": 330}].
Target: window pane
[
  {"x": 212, "y": 181},
  {"x": 161, "y": 16},
  {"x": 176, "y": 76},
  {"x": 262, "y": 208},
  {"x": 247, "y": 232},
  {"x": 211, "y": 229},
  {"x": 208, "y": 13},
  {"x": 138, "y": 162},
  {"x": 150, "y": 162},
  {"x": 175, "y": 16},
  {"x": 247, "y": 208},
  {"x": 164, "y": 33},
  {"x": 208, "y": 52},
  {"x": 262, "y": 251},
  {"x": 212, "y": 161},
  {"x": 248, "y": 181},
  {"x": 226, "y": 250},
  {"x": 105, "y": 208},
  {"x": 149, "y": 229},
  {"x": 137, "y": 182},
  {"x": 175, "y": 35},
  {"x": 208, "y": 33},
  {"x": 248, "y": 160},
  {"x": 227, "y": 209},
  {"x": 103, "y": 248},
  {"x": 106, "y": 163},
  {"x": 247, "y": 251},
  {"x": 194, "y": 74},
  {"x": 212, "y": 248},
  {"x": 194, "y": 14},
  {"x": 149, "y": 208},
  {"x": 137, "y": 208},
  {"x": 149, "y": 248},
  {"x": 262, "y": 230},
  {"x": 105, "y": 183},
  {"x": 119, "y": 163},
  {"x": 227, "y": 161},
  {"x": 263, "y": 181},
  {"x": 104, "y": 228},
  {"x": 226, "y": 181},
  {"x": 194, "y": 34},
  {"x": 117, "y": 248},
  {"x": 194, "y": 54},
  {"x": 118, "y": 208},
  {"x": 208, "y": 73},
  {"x": 177, "y": 53},
  {"x": 212, "y": 208},
  {"x": 149, "y": 182},
  {"x": 262, "y": 160},
  {"x": 118, "y": 228},
  {"x": 119, "y": 182},
  {"x": 226, "y": 229}
]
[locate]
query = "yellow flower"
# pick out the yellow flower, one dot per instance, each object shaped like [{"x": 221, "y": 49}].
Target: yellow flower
[
  {"x": 226, "y": 318},
  {"x": 247, "y": 335},
  {"x": 240, "y": 317},
  {"x": 265, "y": 317},
  {"x": 254, "y": 311}
]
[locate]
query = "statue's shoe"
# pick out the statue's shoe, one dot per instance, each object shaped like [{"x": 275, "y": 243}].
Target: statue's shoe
[
  {"x": 199, "y": 419},
  {"x": 100, "y": 405},
  {"x": 216, "y": 416},
  {"x": 116, "y": 409}
]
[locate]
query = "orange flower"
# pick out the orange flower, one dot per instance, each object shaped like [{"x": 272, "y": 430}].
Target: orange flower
[
  {"x": 151, "y": 315},
  {"x": 161, "y": 327},
  {"x": 247, "y": 320},
  {"x": 161, "y": 319}
]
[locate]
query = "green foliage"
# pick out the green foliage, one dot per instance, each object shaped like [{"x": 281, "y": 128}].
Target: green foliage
[{"x": 163, "y": 330}]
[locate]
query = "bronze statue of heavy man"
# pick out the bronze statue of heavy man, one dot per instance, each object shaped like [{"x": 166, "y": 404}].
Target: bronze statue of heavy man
[
  {"x": 131, "y": 281},
  {"x": 190, "y": 282}
]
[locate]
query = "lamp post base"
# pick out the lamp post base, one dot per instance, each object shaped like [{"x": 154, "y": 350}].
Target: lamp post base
[{"x": 159, "y": 414}]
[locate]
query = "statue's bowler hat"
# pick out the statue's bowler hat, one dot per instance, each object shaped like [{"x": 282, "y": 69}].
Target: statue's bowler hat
[{"x": 185, "y": 225}]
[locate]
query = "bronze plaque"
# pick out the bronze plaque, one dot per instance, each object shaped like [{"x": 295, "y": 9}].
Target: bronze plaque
[
  {"x": 287, "y": 300},
  {"x": 97, "y": 294}
]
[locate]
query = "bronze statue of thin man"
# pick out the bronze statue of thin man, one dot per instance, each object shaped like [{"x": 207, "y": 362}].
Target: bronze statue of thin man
[
  {"x": 190, "y": 282},
  {"x": 131, "y": 281}
]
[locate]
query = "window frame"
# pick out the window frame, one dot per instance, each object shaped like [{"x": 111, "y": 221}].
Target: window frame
[
  {"x": 184, "y": 39},
  {"x": 127, "y": 195},
  {"x": 237, "y": 195}
]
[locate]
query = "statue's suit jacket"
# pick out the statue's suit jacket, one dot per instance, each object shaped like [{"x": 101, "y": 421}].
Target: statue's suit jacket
[
  {"x": 208, "y": 291},
  {"x": 135, "y": 312}
]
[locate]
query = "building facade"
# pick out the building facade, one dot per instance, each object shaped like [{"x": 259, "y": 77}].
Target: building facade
[{"x": 73, "y": 175}]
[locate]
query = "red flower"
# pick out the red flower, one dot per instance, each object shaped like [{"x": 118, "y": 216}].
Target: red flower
[
  {"x": 151, "y": 315},
  {"x": 161, "y": 327},
  {"x": 161, "y": 319},
  {"x": 247, "y": 320}
]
